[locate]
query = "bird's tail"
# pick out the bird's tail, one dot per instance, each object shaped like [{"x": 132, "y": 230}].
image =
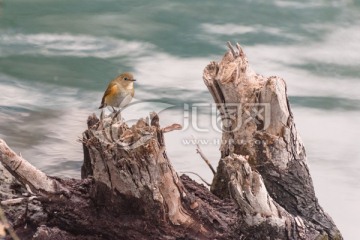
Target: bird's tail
[{"x": 102, "y": 105}]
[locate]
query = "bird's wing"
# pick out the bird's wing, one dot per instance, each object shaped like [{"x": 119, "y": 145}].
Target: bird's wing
[{"x": 111, "y": 89}]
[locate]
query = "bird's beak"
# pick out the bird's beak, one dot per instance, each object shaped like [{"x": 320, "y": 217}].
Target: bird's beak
[{"x": 133, "y": 80}]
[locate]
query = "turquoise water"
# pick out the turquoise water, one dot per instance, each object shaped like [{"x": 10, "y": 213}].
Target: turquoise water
[{"x": 56, "y": 58}]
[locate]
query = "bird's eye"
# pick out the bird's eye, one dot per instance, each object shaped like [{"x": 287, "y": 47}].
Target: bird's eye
[{"x": 126, "y": 79}]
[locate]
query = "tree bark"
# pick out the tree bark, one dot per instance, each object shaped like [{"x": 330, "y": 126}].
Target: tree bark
[{"x": 129, "y": 190}]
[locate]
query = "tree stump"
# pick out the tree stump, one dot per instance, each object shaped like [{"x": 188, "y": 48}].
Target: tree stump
[
  {"x": 130, "y": 166},
  {"x": 129, "y": 190},
  {"x": 259, "y": 125}
]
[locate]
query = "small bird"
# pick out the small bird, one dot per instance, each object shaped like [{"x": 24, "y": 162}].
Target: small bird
[{"x": 119, "y": 92}]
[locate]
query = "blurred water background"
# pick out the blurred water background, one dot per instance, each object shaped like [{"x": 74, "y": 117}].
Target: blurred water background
[{"x": 56, "y": 58}]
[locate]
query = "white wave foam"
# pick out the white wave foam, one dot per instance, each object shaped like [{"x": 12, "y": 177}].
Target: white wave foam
[
  {"x": 311, "y": 4},
  {"x": 165, "y": 70},
  {"x": 286, "y": 62},
  {"x": 230, "y": 29},
  {"x": 227, "y": 29},
  {"x": 70, "y": 45},
  {"x": 341, "y": 46}
]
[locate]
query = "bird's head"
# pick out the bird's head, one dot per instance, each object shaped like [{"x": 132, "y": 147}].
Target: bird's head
[{"x": 126, "y": 78}]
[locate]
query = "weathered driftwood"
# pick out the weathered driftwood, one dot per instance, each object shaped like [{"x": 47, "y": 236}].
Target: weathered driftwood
[
  {"x": 259, "y": 125},
  {"x": 131, "y": 166},
  {"x": 130, "y": 190}
]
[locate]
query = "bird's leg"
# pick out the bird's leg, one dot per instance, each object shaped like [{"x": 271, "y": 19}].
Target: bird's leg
[
  {"x": 114, "y": 113},
  {"x": 101, "y": 124},
  {"x": 102, "y": 115},
  {"x": 117, "y": 116}
]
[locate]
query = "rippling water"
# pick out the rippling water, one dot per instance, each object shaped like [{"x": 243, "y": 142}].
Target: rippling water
[{"x": 56, "y": 58}]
